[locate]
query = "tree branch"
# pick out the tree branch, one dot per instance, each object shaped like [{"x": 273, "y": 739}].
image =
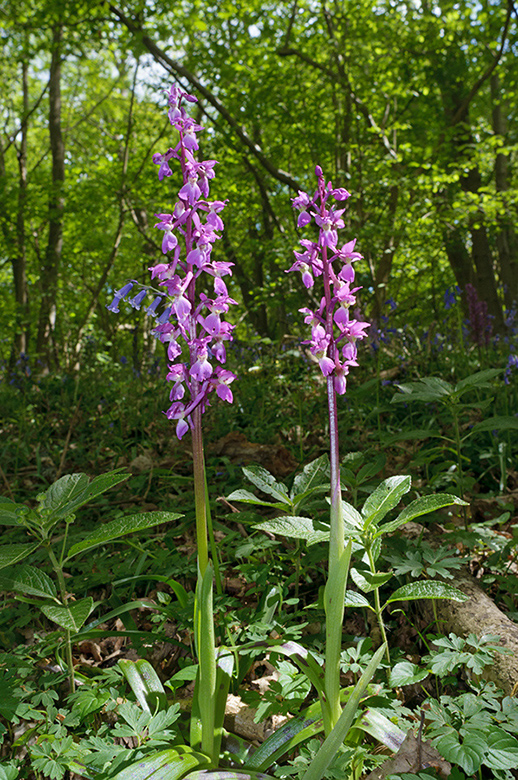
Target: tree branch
[{"x": 180, "y": 70}]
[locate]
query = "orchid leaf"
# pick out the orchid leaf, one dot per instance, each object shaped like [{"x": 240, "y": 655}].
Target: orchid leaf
[
  {"x": 171, "y": 764},
  {"x": 224, "y": 774},
  {"x": 145, "y": 684}
]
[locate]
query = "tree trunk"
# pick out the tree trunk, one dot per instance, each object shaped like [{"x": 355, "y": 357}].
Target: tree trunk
[
  {"x": 506, "y": 239},
  {"x": 46, "y": 345}
]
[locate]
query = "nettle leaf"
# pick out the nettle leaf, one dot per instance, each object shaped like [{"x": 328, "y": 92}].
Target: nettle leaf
[
  {"x": 406, "y": 673},
  {"x": 421, "y": 506},
  {"x": 426, "y": 589},
  {"x": 9, "y": 511},
  {"x": 246, "y": 497},
  {"x": 428, "y": 389},
  {"x": 500, "y": 423},
  {"x": 314, "y": 475},
  {"x": 385, "y": 497},
  {"x": 367, "y": 581},
  {"x": 120, "y": 527},
  {"x": 266, "y": 482},
  {"x": 30, "y": 581},
  {"x": 356, "y": 600},
  {"x": 481, "y": 379},
  {"x": 502, "y": 750},
  {"x": 13, "y": 553},
  {"x": 72, "y": 616},
  {"x": 291, "y": 527},
  {"x": 72, "y": 491}
]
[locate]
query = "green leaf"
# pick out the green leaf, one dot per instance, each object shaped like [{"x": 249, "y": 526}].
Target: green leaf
[
  {"x": 500, "y": 423},
  {"x": 30, "y": 581},
  {"x": 481, "y": 379},
  {"x": 145, "y": 684},
  {"x": 381, "y": 728},
  {"x": 266, "y": 482},
  {"x": 290, "y": 527},
  {"x": 502, "y": 750},
  {"x": 406, "y": 673},
  {"x": 425, "y": 589},
  {"x": 72, "y": 491},
  {"x": 468, "y": 754},
  {"x": 356, "y": 600},
  {"x": 351, "y": 515},
  {"x": 367, "y": 581},
  {"x": 246, "y": 497},
  {"x": 13, "y": 553},
  {"x": 285, "y": 739},
  {"x": 9, "y": 511},
  {"x": 335, "y": 740},
  {"x": 169, "y": 764},
  {"x": 385, "y": 497},
  {"x": 421, "y": 506},
  {"x": 71, "y": 617},
  {"x": 120, "y": 527},
  {"x": 225, "y": 774},
  {"x": 313, "y": 476},
  {"x": 428, "y": 389}
]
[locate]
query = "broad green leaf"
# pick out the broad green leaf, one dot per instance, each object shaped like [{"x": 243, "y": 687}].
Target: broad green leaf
[
  {"x": 169, "y": 764},
  {"x": 290, "y": 527},
  {"x": 356, "y": 600},
  {"x": 385, "y": 497},
  {"x": 313, "y": 475},
  {"x": 13, "y": 553},
  {"x": 415, "y": 434},
  {"x": 246, "y": 497},
  {"x": 72, "y": 491},
  {"x": 9, "y": 511},
  {"x": 502, "y": 750},
  {"x": 469, "y": 754},
  {"x": 120, "y": 527},
  {"x": 495, "y": 424},
  {"x": 406, "y": 673},
  {"x": 367, "y": 581},
  {"x": 351, "y": 515},
  {"x": 266, "y": 482},
  {"x": 421, "y": 506},
  {"x": 28, "y": 580},
  {"x": 145, "y": 684},
  {"x": 479, "y": 379},
  {"x": 426, "y": 589},
  {"x": 72, "y": 616}
]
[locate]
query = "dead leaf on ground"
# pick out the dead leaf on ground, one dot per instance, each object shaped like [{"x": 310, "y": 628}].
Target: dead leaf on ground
[{"x": 412, "y": 756}]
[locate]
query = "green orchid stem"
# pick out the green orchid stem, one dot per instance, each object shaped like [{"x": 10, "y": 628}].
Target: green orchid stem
[
  {"x": 212, "y": 540},
  {"x": 200, "y": 492},
  {"x": 339, "y": 559},
  {"x": 63, "y": 594},
  {"x": 377, "y": 607}
]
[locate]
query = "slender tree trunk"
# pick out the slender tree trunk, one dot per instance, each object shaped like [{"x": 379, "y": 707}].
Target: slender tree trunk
[
  {"x": 506, "y": 239},
  {"x": 19, "y": 260},
  {"x": 46, "y": 344}
]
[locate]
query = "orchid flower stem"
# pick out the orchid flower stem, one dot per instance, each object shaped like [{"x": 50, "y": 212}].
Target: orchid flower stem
[
  {"x": 200, "y": 492},
  {"x": 212, "y": 541},
  {"x": 339, "y": 559}
]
